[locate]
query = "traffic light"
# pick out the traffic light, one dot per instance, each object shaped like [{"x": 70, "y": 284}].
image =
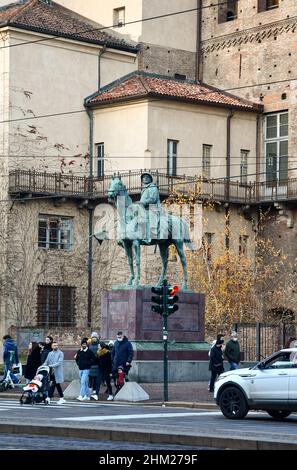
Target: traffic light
[
  {"x": 171, "y": 299},
  {"x": 158, "y": 299}
]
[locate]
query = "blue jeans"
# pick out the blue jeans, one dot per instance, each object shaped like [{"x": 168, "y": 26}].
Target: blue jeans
[
  {"x": 13, "y": 377},
  {"x": 84, "y": 382},
  {"x": 233, "y": 365}
]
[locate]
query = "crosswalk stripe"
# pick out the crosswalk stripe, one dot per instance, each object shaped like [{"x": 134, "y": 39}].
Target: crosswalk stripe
[{"x": 138, "y": 416}]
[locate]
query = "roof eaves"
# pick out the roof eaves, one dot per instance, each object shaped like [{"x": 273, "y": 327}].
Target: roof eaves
[
  {"x": 122, "y": 99},
  {"x": 112, "y": 45},
  {"x": 257, "y": 106}
]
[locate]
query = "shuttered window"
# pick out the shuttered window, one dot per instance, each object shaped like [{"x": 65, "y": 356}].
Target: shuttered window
[{"x": 264, "y": 5}]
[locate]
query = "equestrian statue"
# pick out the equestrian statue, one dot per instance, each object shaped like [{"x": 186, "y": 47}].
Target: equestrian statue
[{"x": 146, "y": 223}]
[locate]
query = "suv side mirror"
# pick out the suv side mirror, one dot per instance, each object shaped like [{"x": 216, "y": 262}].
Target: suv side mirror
[{"x": 261, "y": 365}]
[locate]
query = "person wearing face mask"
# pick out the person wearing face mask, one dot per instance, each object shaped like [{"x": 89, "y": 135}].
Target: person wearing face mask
[
  {"x": 121, "y": 354},
  {"x": 232, "y": 351},
  {"x": 85, "y": 358}
]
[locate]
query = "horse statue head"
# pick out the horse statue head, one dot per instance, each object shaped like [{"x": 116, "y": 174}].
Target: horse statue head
[{"x": 116, "y": 188}]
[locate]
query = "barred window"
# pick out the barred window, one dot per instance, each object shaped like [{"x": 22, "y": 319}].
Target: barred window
[
  {"x": 55, "y": 306},
  {"x": 54, "y": 232},
  {"x": 227, "y": 11}
]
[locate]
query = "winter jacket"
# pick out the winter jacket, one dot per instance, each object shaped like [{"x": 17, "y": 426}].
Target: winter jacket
[
  {"x": 33, "y": 362},
  {"x": 84, "y": 359},
  {"x": 94, "y": 371},
  {"x": 10, "y": 352},
  {"x": 121, "y": 353},
  {"x": 55, "y": 361},
  {"x": 216, "y": 360},
  {"x": 43, "y": 354},
  {"x": 103, "y": 360},
  {"x": 232, "y": 351}
]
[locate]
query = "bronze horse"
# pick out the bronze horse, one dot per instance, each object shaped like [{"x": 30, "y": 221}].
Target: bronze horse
[{"x": 176, "y": 228}]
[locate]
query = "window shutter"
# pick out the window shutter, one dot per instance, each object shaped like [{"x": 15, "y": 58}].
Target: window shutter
[
  {"x": 262, "y": 5},
  {"x": 222, "y": 13}
]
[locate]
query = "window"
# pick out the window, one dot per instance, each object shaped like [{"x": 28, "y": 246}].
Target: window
[
  {"x": 264, "y": 5},
  {"x": 276, "y": 148},
  {"x": 244, "y": 166},
  {"x": 119, "y": 16},
  {"x": 207, "y": 244},
  {"x": 55, "y": 306},
  {"x": 227, "y": 11},
  {"x": 243, "y": 245},
  {"x": 54, "y": 232},
  {"x": 99, "y": 162},
  {"x": 171, "y": 157},
  {"x": 206, "y": 161}
]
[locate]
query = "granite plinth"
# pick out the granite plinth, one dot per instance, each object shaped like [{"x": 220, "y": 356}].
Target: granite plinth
[{"x": 129, "y": 310}]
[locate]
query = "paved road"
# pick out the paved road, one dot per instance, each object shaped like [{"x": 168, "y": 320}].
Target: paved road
[{"x": 148, "y": 419}]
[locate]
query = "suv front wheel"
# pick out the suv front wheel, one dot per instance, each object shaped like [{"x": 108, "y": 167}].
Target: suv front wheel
[
  {"x": 278, "y": 414},
  {"x": 233, "y": 403}
]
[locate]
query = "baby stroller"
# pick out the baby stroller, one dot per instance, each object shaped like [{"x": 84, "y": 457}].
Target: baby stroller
[
  {"x": 36, "y": 391},
  {"x": 7, "y": 382}
]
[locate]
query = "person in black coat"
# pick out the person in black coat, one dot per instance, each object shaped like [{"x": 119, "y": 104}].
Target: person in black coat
[
  {"x": 84, "y": 359},
  {"x": 216, "y": 362},
  {"x": 122, "y": 353},
  {"x": 33, "y": 361},
  {"x": 103, "y": 359}
]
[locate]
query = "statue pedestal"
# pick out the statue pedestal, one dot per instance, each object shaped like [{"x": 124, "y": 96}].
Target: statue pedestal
[{"x": 129, "y": 310}]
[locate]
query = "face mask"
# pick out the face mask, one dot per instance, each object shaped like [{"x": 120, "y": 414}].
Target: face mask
[
  {"x": 120, "y": 339},
  {"x": 234, "y": 339}
]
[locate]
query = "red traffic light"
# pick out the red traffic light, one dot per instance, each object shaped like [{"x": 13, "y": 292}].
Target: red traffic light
[{"x": 174, "y": 290}]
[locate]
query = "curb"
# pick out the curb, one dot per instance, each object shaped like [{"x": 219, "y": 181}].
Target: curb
[{"x": 151, "y": 437}]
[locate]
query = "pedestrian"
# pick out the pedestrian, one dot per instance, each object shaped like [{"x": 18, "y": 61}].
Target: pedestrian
[
  {"x": 55, "y": 361},
  {"x": 94, "y": 374},
  {"x": 103, "y": 359},
  {"x": 216, "y": 365},
  {"x": 121, "y": 354},
  {"x": 232, "y": 351},
  {"x": 10, "y": 357},
  {"x": 219, "y": 336},
  {"x": 48, "y": 343},
  {"x": 43, "y": 351},
  {"x": 33, "y": 361},
  {"x": 84, "y": 359}
]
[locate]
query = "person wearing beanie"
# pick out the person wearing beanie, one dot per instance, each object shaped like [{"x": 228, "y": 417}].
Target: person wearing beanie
[
  {"x": 94, "y": 375},
  {"x": 84, "y": 359}
]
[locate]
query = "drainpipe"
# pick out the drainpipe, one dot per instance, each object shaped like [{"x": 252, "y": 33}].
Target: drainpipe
[
  {"x": 258, "y": 154},
  {"x": 198, "y": 72},
  {"x": 91, "y": 215},
  {"x": 101, "y": 52},
  {"x": 228, "y": 175}
]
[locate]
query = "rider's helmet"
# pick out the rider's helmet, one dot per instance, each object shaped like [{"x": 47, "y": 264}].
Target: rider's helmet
[{"x": 147, "y": 173}]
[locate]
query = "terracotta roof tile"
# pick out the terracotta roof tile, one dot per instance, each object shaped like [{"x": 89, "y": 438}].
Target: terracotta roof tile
[
  {"x": 141, "y": 84},
  {"x": 53, "y": 19}
]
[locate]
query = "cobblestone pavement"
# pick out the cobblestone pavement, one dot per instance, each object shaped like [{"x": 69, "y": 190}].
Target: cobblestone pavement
[{"x": 28, "y": 442}]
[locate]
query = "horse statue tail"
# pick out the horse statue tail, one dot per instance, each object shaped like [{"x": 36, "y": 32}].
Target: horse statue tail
[{"x": 187, "y": 239}]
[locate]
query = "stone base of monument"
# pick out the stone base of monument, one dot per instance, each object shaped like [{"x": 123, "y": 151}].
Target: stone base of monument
[
  {"x": 132, "y": 392},
  {"x": 129, "y": 310},
  {"x": 73, "y": 389}
]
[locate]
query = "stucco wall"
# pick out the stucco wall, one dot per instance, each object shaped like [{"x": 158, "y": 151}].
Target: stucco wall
[
  {"x": 52, "y": 79},
  {"x": 177, "y": 31}
]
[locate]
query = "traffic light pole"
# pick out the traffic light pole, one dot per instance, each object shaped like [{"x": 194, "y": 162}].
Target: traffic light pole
[{"x": 165, "y": 341}]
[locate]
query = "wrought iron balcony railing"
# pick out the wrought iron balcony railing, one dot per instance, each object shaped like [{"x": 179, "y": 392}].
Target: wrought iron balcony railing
[{"x": 30, "y": 182}]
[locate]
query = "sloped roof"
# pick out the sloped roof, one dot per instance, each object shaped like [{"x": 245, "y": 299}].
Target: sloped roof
[
  {"x": 141, "y": 84},
  {"x": 53, "y": 19}
]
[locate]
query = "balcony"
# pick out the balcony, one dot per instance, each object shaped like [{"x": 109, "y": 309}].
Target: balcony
[{"x": 29, "y": 183}]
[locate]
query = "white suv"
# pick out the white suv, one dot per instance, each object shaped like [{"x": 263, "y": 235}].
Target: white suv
[{"x": 270, "y": 385}]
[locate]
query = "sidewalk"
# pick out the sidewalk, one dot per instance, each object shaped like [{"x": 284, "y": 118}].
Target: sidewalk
[{"x": 183, "y": 394}]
